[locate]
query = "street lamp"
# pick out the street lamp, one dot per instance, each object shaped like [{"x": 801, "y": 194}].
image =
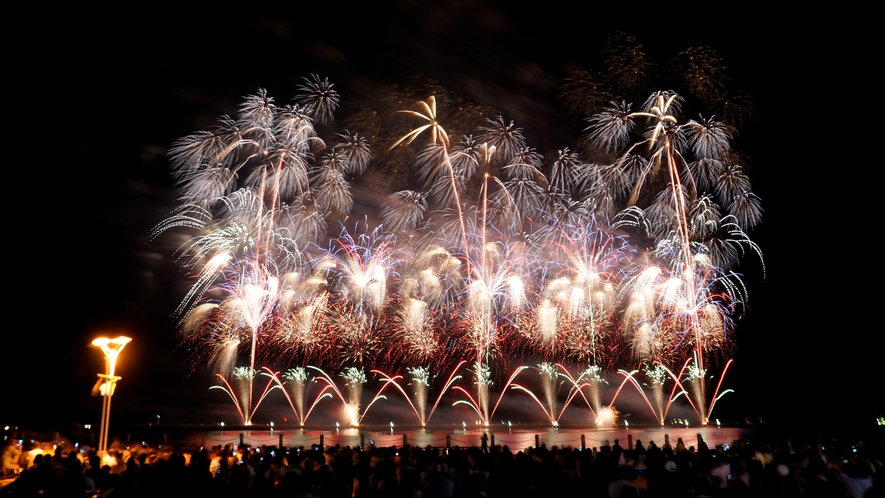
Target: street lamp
[{"x": 111, "y": 349}]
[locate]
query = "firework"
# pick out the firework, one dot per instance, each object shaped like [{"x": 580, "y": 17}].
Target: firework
[
  {"x": 420, "y": 383},
  {"x": 700, "y": 72},
  {"x": 404, "y": 211},
  {"x": 491, "y": 257},
  {"x": 318, "y": 98}
]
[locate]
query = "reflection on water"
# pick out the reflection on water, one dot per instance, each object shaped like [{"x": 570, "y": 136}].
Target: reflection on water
[{"x": 514, "y": 439}]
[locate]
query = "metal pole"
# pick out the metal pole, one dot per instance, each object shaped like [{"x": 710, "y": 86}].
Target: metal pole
[
  {"x": 107, "y": 424},
  {"x": 102, "y": 443}
]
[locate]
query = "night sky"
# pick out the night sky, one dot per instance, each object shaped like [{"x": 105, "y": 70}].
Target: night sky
[{"x": 95, "y": 103}]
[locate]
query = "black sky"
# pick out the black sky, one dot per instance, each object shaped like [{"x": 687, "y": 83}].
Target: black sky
[{"x": 96, "y": 101}]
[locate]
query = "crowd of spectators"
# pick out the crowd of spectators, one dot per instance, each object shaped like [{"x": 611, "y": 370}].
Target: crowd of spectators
[{"x": 788, "y": 468}]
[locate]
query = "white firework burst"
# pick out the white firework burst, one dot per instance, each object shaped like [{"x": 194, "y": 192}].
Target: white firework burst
[
  {"x": 404, "y": 211},
  {"x": 318, "y": 98},
  {"x": 506, "y": 138},
  {"x": 355, "y": 149},
  {"x": 567, "y": 172},
  {"x": 525, "y": 165},
  {"x": 610, "y": 129},
  {"x": 257, "y": 111},
  {"x": 708, "y": 138},
  {"x": 732, "y": 183}
]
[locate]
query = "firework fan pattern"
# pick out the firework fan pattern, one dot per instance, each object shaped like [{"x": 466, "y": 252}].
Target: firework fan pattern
[{"x": 484, "y": 256}]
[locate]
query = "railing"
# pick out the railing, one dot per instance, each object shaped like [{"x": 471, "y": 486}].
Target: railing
[
  {"x": 294, "y": 439},
  {"x": 516, "y": 440}
]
